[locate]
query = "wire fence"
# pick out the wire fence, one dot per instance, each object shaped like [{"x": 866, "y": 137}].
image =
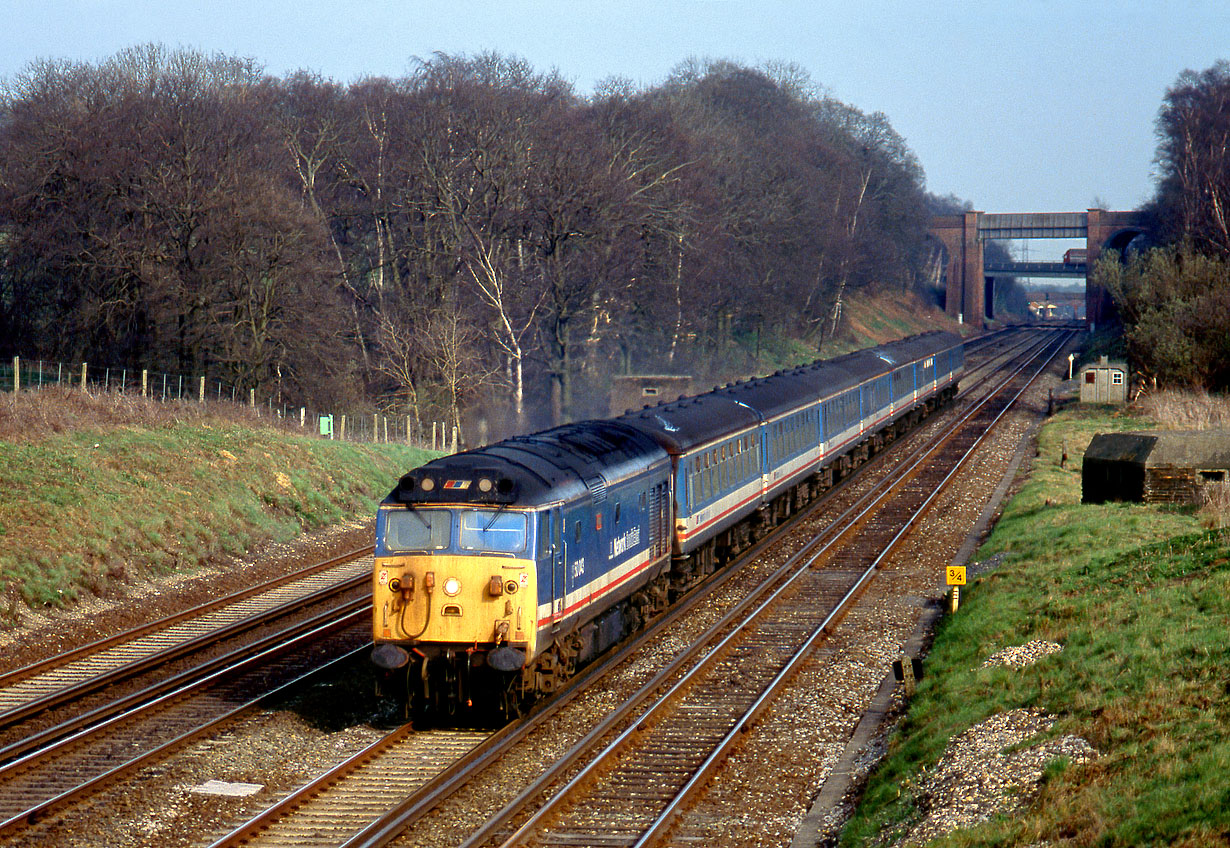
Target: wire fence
[{"x": 25, "y": 375}]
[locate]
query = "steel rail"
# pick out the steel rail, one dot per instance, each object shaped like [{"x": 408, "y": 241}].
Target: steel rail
[
  {"x": 7, "y": 678},
  {"x": 659, "y": 825},
  {"x": 47, "y": 737},
  {"x": 81, "y": 677},
  {"x": 350, "y": 615}
]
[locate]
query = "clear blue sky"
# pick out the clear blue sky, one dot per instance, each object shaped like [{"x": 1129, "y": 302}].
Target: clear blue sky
[{"x": 1015, "y": 105}]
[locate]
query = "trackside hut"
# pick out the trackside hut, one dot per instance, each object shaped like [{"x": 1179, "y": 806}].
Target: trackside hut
[{"x": 1104, "y": 382}]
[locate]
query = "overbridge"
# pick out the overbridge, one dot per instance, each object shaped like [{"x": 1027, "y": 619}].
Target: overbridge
[{"x": 968, "y": 279}]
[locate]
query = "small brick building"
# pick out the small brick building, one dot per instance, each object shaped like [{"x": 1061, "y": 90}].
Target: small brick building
[{"x": 1162, "y": 466}]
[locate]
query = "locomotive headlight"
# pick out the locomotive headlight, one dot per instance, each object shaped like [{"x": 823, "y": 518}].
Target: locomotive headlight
[
  {"x": 485, "y": 485},
  {"x": 427, "y": 484},
  {"x": 452, "y": 586}
]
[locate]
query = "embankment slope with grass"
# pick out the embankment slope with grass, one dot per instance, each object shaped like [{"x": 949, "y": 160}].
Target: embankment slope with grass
[
  {"x": 1138, "y": 597},
  {"x": 98, "y": 493}
]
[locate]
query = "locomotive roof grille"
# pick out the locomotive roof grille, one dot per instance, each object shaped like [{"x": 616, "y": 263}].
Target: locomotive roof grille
[{"x": 597, "y": 488}]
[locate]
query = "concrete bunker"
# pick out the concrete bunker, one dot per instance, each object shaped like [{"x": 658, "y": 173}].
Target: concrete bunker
[{"x": 1160, "y": 466}]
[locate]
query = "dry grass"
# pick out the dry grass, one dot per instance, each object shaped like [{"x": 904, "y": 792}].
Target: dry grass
[
  {"x": 1187, "y": 410},
  {"x": 1215, "y": 511},
  {"x": 30, "y": 417},
  {"x": 1194, "y": 410}
]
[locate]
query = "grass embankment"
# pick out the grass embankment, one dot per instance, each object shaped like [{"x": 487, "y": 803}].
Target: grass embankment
[
  {"x": 1139, "y": 598},
  {"x": 101, "y": 491}
]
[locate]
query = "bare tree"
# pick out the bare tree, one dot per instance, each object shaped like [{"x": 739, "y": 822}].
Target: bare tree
[{"x": 1193, "y": 130}]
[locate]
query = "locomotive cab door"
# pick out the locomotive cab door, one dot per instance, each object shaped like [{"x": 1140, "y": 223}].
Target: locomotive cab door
[{"x": 558, "y": 558}]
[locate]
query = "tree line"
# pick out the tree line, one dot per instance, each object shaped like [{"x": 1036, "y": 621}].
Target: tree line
[
  {"x": 473, "y": 231},
  {"x": 1173, "y": 296}
]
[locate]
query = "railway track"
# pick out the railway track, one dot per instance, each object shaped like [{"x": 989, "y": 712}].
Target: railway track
[
  {"x": 249, "y": 645},
  {"x": 634, "y": 785},
  {"x": 72, "y": 675},
  {"x": 421, "y": 793}
]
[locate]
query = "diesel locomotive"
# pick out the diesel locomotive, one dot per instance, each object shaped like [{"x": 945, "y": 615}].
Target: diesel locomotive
[{"x": 500, "y": 571}]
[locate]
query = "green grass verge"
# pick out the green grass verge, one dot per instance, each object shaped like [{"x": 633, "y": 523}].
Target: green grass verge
[
  {"x": 87, "y": 510},
  {"x": 1139, "y": 596}
]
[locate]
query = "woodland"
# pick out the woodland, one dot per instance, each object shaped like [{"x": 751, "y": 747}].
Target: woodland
[
  {"x": 1172, "y": 293},
  {"x": 473, "y": 233}
]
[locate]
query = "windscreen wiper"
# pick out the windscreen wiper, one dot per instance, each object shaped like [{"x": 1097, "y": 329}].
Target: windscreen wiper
[{"x": 494, "y": 516}]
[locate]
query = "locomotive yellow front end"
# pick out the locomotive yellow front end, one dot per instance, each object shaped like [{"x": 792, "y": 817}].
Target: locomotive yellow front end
[
  {"x": 423, "y": 603},
  {"x": 454, "y": 589}
]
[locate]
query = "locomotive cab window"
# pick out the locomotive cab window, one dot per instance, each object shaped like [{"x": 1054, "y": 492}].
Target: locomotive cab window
[
  {"x": 492, "y": 530},
  {"x": 417, "y": 529}
]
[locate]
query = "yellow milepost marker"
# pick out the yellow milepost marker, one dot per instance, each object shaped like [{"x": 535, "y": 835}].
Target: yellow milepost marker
[{"x": 955, "y": 575}]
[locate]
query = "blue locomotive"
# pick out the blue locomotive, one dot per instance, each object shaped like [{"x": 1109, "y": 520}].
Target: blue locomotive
[{"x": 499, "y": 571}]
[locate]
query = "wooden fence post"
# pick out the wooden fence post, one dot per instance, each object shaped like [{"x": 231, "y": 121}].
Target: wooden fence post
[
  {"x": 144, "y": 382},
  {"x": 302, "y": 416},
  {"x": 16, "y": 375},
  {"x": 201, "y": 391},
  {"x": 407, "y": 429},
  {"x": 84, "y": 369},
  {"x": 342, "y": 434},
  {"x": 252, "y": 398}
]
